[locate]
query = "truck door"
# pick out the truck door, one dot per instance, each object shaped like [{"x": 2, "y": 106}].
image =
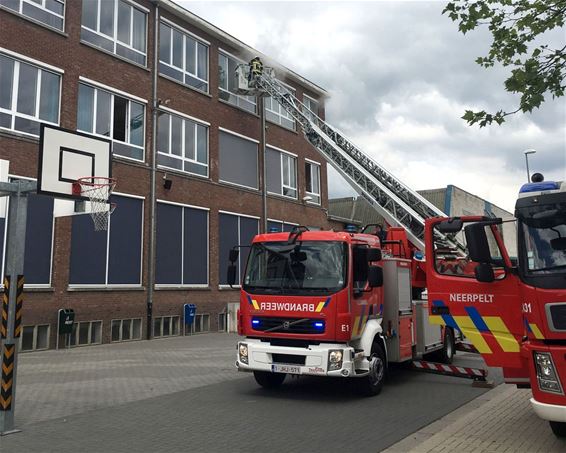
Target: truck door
[{"x": 487, "y": 312}]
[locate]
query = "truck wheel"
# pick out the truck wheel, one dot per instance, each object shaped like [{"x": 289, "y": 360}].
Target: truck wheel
[
  {"x": 269, "y": 380},
  {"x": 558, "y": 428},
  {"x": 372, "y": 384},
  {"x": 446, "y": 355}
]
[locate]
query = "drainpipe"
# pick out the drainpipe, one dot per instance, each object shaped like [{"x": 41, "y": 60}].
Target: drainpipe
[
  {"x": 260, "y": 104},
  {"x": 152, "y": 208}
]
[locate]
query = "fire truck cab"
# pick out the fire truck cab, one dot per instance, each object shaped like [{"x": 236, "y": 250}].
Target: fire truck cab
[{"x": 328, "y": 303}]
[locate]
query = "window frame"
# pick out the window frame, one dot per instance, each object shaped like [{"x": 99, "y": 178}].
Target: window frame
[
  {"x": 281, "y": 112},
  {"x": 77, "y": 333},
  {"x": 188, "y": 285},
  {"x": 183, "y": 159},
  {"x": 113, "y": 93},
  {"x": 236, "y": 285},
  {"x": 309, "y": 111},
  {"x": 244, "y": 137},
  {"x": 34, "y": 338},
  {"x": 121, "y": 333},
  {"x": 239, "y": 98},
  {"x": 41, "y": 7},
  {"x": 293, "y": 157},
  {"x": 314, "y": 164},
  {"x": 114, "y": 38},
  {"x": 171, "y": 317},
  {"x": 13, "y": 111},
  {"x": 72, "y": 286},
  {"x": 186, "y": 34}
]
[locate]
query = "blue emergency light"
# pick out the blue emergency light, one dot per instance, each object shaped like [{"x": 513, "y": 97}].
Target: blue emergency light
[
  {"x": 319, "y": 325},
  {"x": 350, "y": 228},
  {"x": 255, "y": 322},
  {"x": 539, "y": 186}
]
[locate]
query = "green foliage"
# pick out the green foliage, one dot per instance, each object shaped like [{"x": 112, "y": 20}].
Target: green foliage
[{"x": 517, "y": 27}]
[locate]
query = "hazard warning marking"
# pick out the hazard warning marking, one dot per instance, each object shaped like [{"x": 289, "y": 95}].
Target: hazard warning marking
[
  {"x": 19, "y": 305},
  {"x": 4, "y": 317},
  {"x": 7, "y": 380}
]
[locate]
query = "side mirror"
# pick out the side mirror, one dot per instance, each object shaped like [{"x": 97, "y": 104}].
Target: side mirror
[
  {"x": 484, "y": 273},
  {"x": 231, "y": 274},
  {"x": 452, "y": 225},
  {"x": 375, "y": 276},
  {"x": 374, "y": 255},
  {"x": 233, "y": 255},
  {"x": 478, "y": 246}
]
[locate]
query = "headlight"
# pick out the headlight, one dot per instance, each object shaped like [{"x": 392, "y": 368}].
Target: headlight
[
  {"x": 243, "y": 352},
  {"x": 546, "y": 373},
  {"x": 335, "y": 359}
]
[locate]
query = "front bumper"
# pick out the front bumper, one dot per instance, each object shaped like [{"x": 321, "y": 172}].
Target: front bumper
[
  {"x": 262, "y": 356},
  {"x": 550, "y": 412}
]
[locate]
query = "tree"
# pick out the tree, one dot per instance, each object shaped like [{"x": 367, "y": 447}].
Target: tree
[{"x": 517, "y": 27}]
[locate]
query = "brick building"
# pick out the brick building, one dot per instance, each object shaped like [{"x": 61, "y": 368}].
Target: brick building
[{"x": 93, "y": 66}]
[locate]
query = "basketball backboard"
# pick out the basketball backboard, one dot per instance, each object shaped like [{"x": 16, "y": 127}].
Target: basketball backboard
[{"x": 65, "y": 156}]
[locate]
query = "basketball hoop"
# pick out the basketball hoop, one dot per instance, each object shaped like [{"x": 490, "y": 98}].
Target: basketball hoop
[{"x": 97, "y": 190}]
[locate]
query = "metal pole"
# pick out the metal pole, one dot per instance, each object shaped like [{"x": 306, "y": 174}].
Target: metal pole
[
  {"x": 17, "y": 215},
  {"x": 527, "y": 162},
  {"x": 261, "y": 106},
  {"x": 152, "y": 208}
]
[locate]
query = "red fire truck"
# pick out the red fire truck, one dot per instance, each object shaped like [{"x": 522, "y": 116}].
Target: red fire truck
[
  {"x": 328, "y": 303},
  {"x": 512, "y": 310}
]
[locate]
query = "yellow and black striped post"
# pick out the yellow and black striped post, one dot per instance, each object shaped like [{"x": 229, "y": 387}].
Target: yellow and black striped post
[
  {"x": 7, "y": 379},
  {"x": 5, "y": 305},
  {"x": 19, "y": 305}
]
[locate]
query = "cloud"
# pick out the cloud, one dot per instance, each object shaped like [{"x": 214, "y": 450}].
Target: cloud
[{"x": 400, "y": 76}]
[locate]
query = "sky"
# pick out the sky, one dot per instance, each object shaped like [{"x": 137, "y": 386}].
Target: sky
[{"x": 399, "y": 76}]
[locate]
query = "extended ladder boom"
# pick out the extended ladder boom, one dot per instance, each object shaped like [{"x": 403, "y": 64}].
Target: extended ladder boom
[{"x": 398, "y": 204}]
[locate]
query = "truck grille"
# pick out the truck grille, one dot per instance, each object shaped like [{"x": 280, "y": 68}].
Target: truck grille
[
  {"x": 557, "y": 314},
  {"x": 288, "y": 325}
]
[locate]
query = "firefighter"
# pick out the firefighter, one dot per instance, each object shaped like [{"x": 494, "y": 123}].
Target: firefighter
[{"x": 256, "y": 68}]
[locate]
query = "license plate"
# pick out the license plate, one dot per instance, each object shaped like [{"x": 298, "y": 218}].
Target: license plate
[{"x": 290, "y": 369}]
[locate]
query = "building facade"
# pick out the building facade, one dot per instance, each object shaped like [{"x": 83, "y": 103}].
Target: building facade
[{"x": 156, "y": 80}]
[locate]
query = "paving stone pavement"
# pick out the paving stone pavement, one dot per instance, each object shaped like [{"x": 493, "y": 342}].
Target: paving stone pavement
[
  {"x": 498, "y": 421},
  {"x": 52, "y": 384}
]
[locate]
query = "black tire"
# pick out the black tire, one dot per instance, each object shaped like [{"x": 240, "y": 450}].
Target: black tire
[
  {"x": 269, "y": 380},
  {"x": 558, "y": 428},
  {"x": 446, "y": 354},
  {"x": 372, "y": 384}
]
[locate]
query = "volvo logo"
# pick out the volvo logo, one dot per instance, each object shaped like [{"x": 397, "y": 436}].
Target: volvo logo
[{"x": 286, "y": 325}]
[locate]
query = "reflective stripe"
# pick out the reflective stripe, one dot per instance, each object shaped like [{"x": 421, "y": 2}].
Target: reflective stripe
[
  {"x": 500, "y": 332},
  {"x": 536, "y": 331},
  {"x": 470, "y": 331}
]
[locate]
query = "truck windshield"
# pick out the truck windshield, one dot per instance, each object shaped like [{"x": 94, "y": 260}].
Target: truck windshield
[
  {"x": 311, "y": 267},
  {"x": 544, "y": 238}
]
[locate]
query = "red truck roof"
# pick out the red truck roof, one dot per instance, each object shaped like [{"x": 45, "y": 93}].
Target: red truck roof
[{"x": 343, "y": 236}]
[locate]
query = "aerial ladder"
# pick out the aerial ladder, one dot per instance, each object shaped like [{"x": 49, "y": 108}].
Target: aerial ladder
[{"x": 394, "y": 201}]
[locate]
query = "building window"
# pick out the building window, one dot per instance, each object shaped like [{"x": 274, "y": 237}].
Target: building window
[
  {"x": 227, "y": 84},
  {"x": 110, "y": 115},
  {"x": 126, "y": 329},
  {"x": 112, "y": 257},
  {"x": 312, "y": 107},
  {"x": 86, "y": 333},
  {"x": 234, "y": 230},
  {"x": 39, "y": 240},
  {"x": 312, "y": 176},
  {"x": 222, "y": 322},
  {"x": 48, "y": 12},
  {"x": 182, "y": 245},
  {"x": 183, "y": 58},
  {"x": 201, "y": 324},
  {"x": 279, "y": 226},
  {"x": 281, "y": 173},
  {"x": 35, "y": 338},
  {"x": 116, "y": 26},
  {"x": 275, "y": 112},
  {"x": 28, "y": 95},
  {"x": 238, "y": 160},
  {"x": 166, "y": 326},
  {"x": 182, "y": 144}
]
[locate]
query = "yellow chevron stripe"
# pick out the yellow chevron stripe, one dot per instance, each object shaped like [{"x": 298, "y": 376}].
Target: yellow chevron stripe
[
  {"x": 536, "y": 331},
  {"x": 5, "y": 315},
  {"x": 436, "y": 319},
  {"x": 7, "y": 369},
  {"x": 17, "y": 331},
  {"x": 319, "y": 307},
  {"x": 472, "y": 333},
  {"x": 254, "y": 303},
  {"x": 9, "y": 351},
  {"x": 6, "y": 385},
  {"x": 501, "y": 333},
  {"x": 5, "y": 403}
]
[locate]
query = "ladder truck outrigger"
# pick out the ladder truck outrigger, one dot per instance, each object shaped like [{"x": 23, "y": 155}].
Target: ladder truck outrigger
[
  {"x": 339, "y": 304},
  {"x": 513, "y": 310}
]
